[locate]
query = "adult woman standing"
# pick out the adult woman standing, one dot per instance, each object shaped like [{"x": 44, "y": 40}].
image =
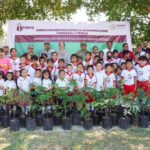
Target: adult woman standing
[
  {"x": 5, "y": 64},
  {"x": 62, "y": 53}
]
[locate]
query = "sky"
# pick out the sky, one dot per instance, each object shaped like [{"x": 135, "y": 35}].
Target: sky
[{"x": 79, "y": 16}]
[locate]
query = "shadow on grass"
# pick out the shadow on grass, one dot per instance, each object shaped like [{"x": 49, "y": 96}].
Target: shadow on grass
[{"x": 96, "y": 139}]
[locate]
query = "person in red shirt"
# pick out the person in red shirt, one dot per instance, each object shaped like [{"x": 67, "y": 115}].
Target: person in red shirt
[{"x": 126, "y": 48}]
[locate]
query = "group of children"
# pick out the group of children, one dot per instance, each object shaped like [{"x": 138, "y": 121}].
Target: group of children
[{"x": 95, "y": 71}]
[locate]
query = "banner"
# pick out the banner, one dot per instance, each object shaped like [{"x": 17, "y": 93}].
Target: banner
[{"x": 22, "y": 33}]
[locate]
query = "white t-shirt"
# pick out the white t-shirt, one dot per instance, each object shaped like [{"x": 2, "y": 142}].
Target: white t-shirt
[
  {"x": 79, "y": 78},
  {"x": 69, "y": 76},
  {"x": 10, "y": 84},
  {"x": 100, "y": 80},
  {"x": 109, "y": 61},
  {"x": 91, "y": 81},
  {"x": 37, "y": 81},
  {"x": 15, "y": 63},
  {"x": 143, "y": 73},
  {"x": 105, "y": 52},
  {"x": 128, "y": 76},
  {"x": 86, "y": 63},
  {"x": 74, "y": 67},
  {"x": 31, "y": 72},
  {"x": 2, "y": 85},
  {"x": 109, "y": 80},
  {"x": 62, "y": 83},
  {"x": 24, "y": 83},
  {"x": 47, "y": 83},
  {"x": 53, "y": 72},
  {"x": 55, "y": 64}
]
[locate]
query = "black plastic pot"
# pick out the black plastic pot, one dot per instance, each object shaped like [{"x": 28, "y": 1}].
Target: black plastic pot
[
  {"x": 88, "y": 124},
  {"x": 148, "y": 114},
  {"x": 14, "y": 124},
  {"x": 39, "y": 120},
  {"x": 124, "y": 123},
  {"x": 66, "y": 123},
  {"x": 1, "y": 113},
  {"x": 132, "y": 119},
  {"x": 30, "y": 124},
  {"x": 114, "y": 119},
  {"x": 22, "y": 121},
  {"x": 5, "y": 121},
  {"x": 143, "y": 121},
  {"x": 96, "y": 120},
  {"x": 57, "y": 120},
  {"x": 48, "y": 124},
  {"x": 106, "y": 122},
  {"x": 76, "y": 119}
]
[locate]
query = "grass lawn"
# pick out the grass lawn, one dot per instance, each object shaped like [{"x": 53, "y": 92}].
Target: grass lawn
[{"x": 76, "y": 139}]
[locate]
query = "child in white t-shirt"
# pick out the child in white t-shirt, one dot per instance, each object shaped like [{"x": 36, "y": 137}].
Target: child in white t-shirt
[
  {"x": 79, "y": 76},
  {"x": 62, "y": 82},
  {"x": 55, "y": 59},
  {"x": 90, "y": 79},
  {"x": 24, "y": 81},
  {"x": 52, "y": 70},
  {"x": 10, "y": 83},
  {"x": 99, "y": 73},
  {"x": 46, "y": 81},
  {"x": 74, "y": 62},
  {"x": 1, "y": 83},
  {"x": 129, "y": 77},
  {"x": 109, "y": 77},
  {"x": 143, "y": 73},
  {"x": 37, "y": 79},
  {"x": 33, "y": 66}
]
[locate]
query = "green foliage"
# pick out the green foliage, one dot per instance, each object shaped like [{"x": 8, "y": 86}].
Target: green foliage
[{"x": 135, "y": 11}]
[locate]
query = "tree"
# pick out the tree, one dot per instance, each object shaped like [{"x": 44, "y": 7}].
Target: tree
[{"x": 135, "y": 11}]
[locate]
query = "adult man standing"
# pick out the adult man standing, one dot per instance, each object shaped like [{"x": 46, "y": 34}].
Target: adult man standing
[
  {"x": 109, "y": 48},
  {"x": 126, "y": 48},
  {"x": 83, "y": 50},
  {"x": 145, "y": 47},
  {"x": 47, "y": 50}
]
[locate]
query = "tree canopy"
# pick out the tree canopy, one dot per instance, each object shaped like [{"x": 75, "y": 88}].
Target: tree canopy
[{"x": 135, "y": 11}]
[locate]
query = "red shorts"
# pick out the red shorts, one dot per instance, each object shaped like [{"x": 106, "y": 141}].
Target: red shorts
[
  {"x": 129, "y": 89},
  {"x": 143, "y": 85}
]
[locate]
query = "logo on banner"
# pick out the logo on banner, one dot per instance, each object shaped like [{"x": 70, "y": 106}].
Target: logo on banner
[{"x": 20, "y": 27}]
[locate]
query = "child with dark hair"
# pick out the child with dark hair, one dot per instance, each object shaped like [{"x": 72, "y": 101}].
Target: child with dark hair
[
  {"x": 143, "y": 73},
  {"x": 129, "y": 77},
  {"x": 10, "y": 83},
  {"x": 46, "y": 81},
  {"x": 109, "y": 77}
]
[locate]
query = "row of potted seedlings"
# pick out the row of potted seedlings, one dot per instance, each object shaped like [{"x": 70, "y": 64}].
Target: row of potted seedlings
[{"x": 60, "y": 107}]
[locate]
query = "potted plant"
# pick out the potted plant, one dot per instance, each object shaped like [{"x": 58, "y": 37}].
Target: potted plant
[
  {"x": 131, "y": 108},
  {"x": 144, "y": 104},
  {"x": 63, "y": 100},
  {"x": 77, "y": 99},
  {"x": 12, "y": 100},
  {"x": 106, "y": 103},
  {"x": 42, "y": 99}
]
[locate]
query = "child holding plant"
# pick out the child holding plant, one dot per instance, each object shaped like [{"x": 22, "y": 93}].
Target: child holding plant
[{"x": 129, "y": 77}]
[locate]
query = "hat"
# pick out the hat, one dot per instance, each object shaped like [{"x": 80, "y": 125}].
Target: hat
[
  {"x": 30, "y": 46},
  {"x": 83, "y": 43}
]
